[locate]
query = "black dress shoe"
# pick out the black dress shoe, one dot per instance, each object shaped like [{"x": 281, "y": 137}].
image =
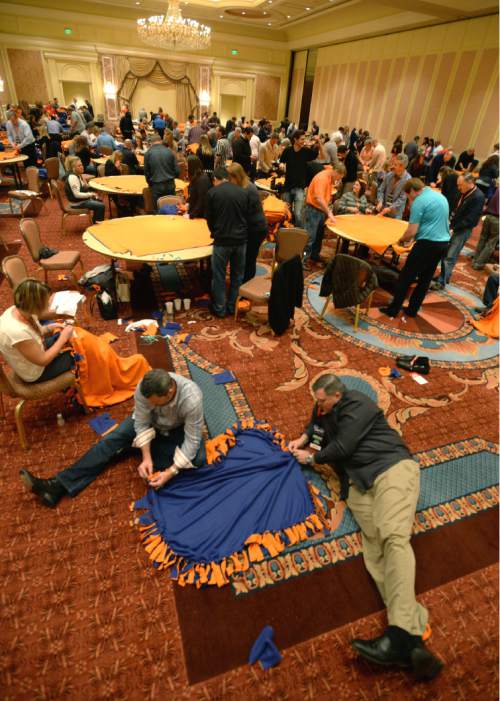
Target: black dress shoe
[
  {"x": 381, "y": 651},
  {"x": 50, "y": 491},
  {"x": 425, "y": 666},
  {"x": 389, "y": 312},
  {"x": 408, "y": 312}
]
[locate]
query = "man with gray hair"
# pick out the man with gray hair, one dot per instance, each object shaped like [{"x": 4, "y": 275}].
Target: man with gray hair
[
  {"x": 391, "y": 196},
  {"x": 160, "y": 169},
  {"x": 380, "y": 483},
  {"x": 166, "y": 426}
]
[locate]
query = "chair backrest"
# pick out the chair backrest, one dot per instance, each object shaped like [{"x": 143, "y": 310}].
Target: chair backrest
[
  {"x": 33, "y": 179},
  {"x": 352, "y": 280},
  {"x": 52, "y": 165},
  {"x": 148, "y": 200},
  {"x": 14, "y": 269},
  {"x": 54, "y": 187},
  {"x": 289, "y": 243},
  {"x": 100, "y": 170},
  {"x": 5, "y": 385},
  {"x": 105, "y": 150},
  {"x": 31, "y": 235},
  {"x": 168, "y": 199},
  {"x": 125, "y": 169}
]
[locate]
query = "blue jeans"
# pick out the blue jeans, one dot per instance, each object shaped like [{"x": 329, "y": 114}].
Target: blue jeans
[
  {"x": 221, "y": 256},
  {"x": 315, "y": 226},
  {"x": 116, "y": 444},
  {"x": 96, "y": 207},
  {"x": 457, "y": 242},
  {"x": 296, "y": 197}
]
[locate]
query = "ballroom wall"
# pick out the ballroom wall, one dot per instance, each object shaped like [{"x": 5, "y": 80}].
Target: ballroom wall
[
  {"x": 44, "y": 55},
  {"x": 440, "y": 81}
]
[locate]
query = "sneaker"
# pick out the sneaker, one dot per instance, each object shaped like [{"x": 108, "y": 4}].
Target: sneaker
[
  {"x": 389, "y": 312},
  {"x": 50, "y": 491},
  {"x": 436, "y": 285},
  {"x": 407, "y": 312}
]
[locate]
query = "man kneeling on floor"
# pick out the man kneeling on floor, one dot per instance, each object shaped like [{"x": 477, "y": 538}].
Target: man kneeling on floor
[
  {"x": 380, "y": 483},
  {"x": 166, "y": 426}
]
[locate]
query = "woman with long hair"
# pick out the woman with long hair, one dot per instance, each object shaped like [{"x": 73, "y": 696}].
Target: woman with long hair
[
  {"x": 205, "y": 153},
  {"x": 199, "y": 185},
  {"x": 257, "y": 223},
  {"x": 31, "y": 350}
]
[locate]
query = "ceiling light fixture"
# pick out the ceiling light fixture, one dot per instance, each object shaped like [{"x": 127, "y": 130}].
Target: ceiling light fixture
[
  {"x": 308, "y": 8},
  {"x": 173, "y": 31},
  {"x": 269, "y": 24}
]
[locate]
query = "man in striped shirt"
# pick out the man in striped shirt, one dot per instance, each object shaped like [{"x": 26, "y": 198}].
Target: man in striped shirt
[{"x": 223, "y": 151}]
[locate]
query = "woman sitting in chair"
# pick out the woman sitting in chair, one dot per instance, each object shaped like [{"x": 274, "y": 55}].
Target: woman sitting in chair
[
  {"x": 33, "y": 351},
  {"x": 354, "y": 202},
  {"x": 77, "y": 192},
  {"x": 114, "y": 164}
]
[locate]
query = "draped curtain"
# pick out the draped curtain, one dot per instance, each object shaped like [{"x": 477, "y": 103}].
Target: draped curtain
[{"x": 184, "y": 76}]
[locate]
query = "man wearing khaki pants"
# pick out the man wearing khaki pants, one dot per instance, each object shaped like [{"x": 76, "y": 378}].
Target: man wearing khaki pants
[{"x": 380, "y": 482}]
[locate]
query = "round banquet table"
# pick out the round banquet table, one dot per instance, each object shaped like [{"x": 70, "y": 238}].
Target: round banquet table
[
  {"x": 378, "y": 233},
  {"x": 265, "y": 183},
  {"x": 127, "y": 184},
  {"x": 151, "y": 239},
  {"x": 10, "y": 158}
]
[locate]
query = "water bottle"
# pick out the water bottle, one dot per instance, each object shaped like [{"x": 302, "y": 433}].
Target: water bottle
[{"x": 60, "y": 420}]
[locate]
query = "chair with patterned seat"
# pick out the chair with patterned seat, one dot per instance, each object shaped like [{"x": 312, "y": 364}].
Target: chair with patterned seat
[{"x": 63, "y": 260}]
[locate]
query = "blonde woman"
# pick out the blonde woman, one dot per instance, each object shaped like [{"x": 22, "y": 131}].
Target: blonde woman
[
  {"x": 257, "y": 223},
  {"x": 114, "y": 164},
  {"x": 206, "y": 154},
  {"x": 31, "y": 350}
]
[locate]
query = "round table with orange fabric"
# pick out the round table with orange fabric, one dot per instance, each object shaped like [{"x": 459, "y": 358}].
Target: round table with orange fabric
[
  {"x": 128, "y": 185},
  {"x": 378, "y": 233},
  {"x": 12, "y": 158},
  {"x": 265, "y": 183},
  {"x": 151, "y": 239}
]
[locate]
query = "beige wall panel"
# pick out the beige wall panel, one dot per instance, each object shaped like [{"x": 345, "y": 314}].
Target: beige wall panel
[
  {"x": 388, "y": 72},
  {"x": 29, "y": 77},
  {"x": 488, "y": 132},
  {"x": 456, "y": 95},
  {"x": 425, "y": 80},
  {"x": 475, "y": 98},
  {"x": 267, "y": 91}
]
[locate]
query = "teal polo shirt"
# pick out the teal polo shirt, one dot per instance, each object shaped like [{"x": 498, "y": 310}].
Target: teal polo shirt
[{"x": 431, "y": 212}]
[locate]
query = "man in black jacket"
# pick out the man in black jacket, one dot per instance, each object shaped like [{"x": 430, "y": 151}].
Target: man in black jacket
[
  {"x": 465, "y": 217},
  {"x": 161, "y": 169},
  {"x": 380, "y": 482},
  {"x": 227, "y": 219},
  {"x": 241, "y": 150},
  {"x": 129, "y": 158}
]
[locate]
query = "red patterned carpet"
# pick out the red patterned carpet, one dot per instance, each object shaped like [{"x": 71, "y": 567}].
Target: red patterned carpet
[{"x": 84, "y": 616}]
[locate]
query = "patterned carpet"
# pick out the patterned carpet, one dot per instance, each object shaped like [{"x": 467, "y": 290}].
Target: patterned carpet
[{"x": 84, "y": 617}]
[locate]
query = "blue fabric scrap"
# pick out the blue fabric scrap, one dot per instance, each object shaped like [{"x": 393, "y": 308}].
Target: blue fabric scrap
[
  {"x": 222, "y": 377},
  {"x": 102, "y": 423},
  {"x": 264, "y": 650}
]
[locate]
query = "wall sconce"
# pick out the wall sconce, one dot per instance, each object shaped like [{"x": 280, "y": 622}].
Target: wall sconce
[
  {"x": 109, "y": 91},
  {"x": 1, "y": 85},
  {"x": 204, "y": 97}
]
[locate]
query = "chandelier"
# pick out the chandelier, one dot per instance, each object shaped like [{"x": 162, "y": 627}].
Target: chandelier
[{"x": 173, "y": 31}]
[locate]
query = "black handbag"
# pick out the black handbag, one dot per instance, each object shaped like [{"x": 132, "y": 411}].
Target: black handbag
[{"x": 414, "y": 363}]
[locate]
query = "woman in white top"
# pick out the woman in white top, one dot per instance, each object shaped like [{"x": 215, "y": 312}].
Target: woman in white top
[
  {"x": 77, "y": 192},
  {"x": 29, "y": 348}
]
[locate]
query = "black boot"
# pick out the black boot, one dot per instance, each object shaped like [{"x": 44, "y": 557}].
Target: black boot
[{"x": 49, "y": 490}]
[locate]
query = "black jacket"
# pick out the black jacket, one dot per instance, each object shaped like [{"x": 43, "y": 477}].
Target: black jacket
[
  {"x": 126, "y": 125},
  {"x": 468, "y": 211},
  {"x": 242, "y": 153},
  {"x": 257, "y": 222},
  {"x": 130, "y": 159},
  {"x": 198, "y": 190},
  {"x": 287, "y": 289},
  {"x": 357, "y": 440},
  {"x": 227, "y": 214}
]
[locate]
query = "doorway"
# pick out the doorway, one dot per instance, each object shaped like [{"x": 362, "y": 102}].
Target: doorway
[
  {"x": 230, "y": 106},
  {"x": 74, "y": 90}
]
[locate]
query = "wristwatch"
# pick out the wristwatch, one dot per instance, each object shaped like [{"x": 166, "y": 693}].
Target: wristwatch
[
  {"x": 174, "y": 469},
  {"x": 310, "y": 459}
]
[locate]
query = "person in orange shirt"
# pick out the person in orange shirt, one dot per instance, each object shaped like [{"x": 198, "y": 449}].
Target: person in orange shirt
[{"x": 317, "y": 212}]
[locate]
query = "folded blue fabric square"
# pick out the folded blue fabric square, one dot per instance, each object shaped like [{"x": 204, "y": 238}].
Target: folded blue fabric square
[
  {"x": 102, "y": 423},
  {"x": 222, "y": 377},
  {"x": 264, "y": 650}
]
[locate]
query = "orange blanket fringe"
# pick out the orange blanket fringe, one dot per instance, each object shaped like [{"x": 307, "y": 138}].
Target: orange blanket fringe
[
  {"x": 218, "y": 573},
  {"x": 103, "y": 376}
]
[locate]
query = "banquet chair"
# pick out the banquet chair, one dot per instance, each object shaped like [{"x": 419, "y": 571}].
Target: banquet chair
[
  {"x": 52, "y": 167},
  {"x": 32, "y": 193},
  {"x": 105, "y": 150},
  {"x": 289, "y": 243},
  {"x": 168, "y": 199},
  {"x": 66, "y": 210},
  {"x": 348, "y": 282},
  {"x": 100, "y": 170},
  {"x": 64, "y": 260},
  {"x": 15, "y": 270},
  {"x": 13, "y": 386},
  {"x": 148, "y": 201}
]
